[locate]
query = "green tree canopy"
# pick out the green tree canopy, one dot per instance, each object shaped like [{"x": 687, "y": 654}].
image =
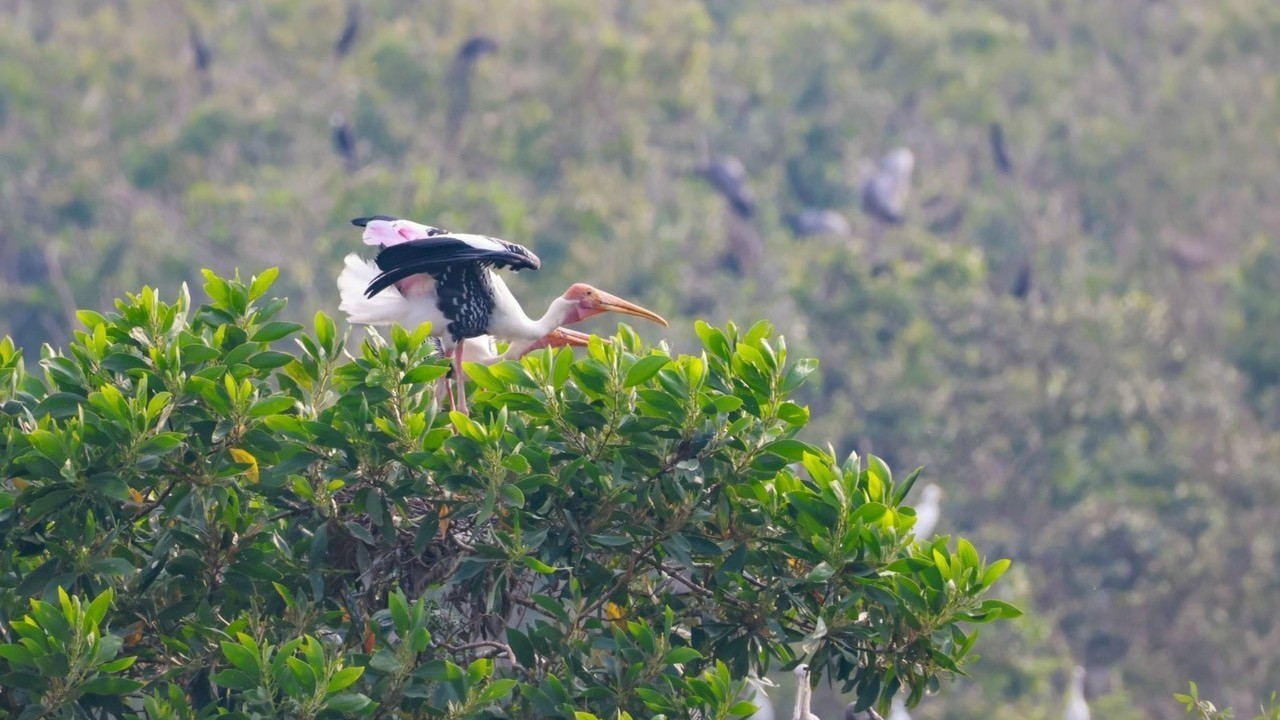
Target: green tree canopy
[{"x": 194, "y": 520}]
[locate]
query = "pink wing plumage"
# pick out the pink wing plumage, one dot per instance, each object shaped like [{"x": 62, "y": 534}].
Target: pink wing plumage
[{"x": 394, "y": 232}]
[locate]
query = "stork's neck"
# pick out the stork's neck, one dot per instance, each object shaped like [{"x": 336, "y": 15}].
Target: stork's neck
[{"x": 510, "y": 322}]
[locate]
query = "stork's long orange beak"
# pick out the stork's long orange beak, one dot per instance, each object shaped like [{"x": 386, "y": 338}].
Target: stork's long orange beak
[
  {"x": 564, "y": 337},
  {"x": 612, "y": 303}
]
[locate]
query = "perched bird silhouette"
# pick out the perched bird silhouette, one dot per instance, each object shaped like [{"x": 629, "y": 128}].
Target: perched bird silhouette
[
  {"x": 1077, "y": 708},
  {"x": 1022, "y": 281},
  {"x": 201, "y": 54},
  {"x": 459, "y": 80},
  {"x": 812, "y": 221},
  {"x": 350, "y": 29},
  {"x": 885, "y": 188},
  {"x": 344, "y": 140},
  {"x": 728, "y": 176},
  {"x": 999, "y": 150}
]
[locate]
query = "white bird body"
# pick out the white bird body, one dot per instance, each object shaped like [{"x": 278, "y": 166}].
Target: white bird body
[
  {"x": 804, "y": 695},
  {"x": 385, "y": 308},
  {"x": 1077, "y": 707},
  {"x": 898, "y": 709},
  {"x": 886, "y": 188},
  {"x": 928, "y": 511},
  {"x": 758, "y": 697}
]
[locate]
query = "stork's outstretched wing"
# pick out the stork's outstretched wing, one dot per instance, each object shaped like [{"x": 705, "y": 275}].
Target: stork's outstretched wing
[{"x": 432, "y": 255}]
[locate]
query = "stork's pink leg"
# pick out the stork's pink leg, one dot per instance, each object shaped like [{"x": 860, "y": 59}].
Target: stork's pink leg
[
  {"x": 444, "y": 387},
  {"x": 461, "y": 404}
]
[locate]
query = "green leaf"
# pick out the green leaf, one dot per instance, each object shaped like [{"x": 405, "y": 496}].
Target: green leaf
[
  {"x": 496, "y": 690},
  {"x": 15, "y": 654},
  {"x": 399, "y": 612},
  {"x": 272, "y": 406},
  {"x": 425, "y": 373},
  {"x": 234, "y": 680},
  {"x": 110, "y": 686},
  {"x": 679, "y": 655},
  {"x": 241, "y": 657},
  {"x": 343, "y": 679},
  {"x": 119, "y": 664},
  {"x": 644, "y": 369},
  {"x": 994, "y": 571},
  {"x": 97, "y": 610},
  {"x": 261, "y": 283},
  {"x": 275, "y": 330},
  {"x": 326, "y": 333},
  {"x": 303, "y": 673},
  {"x": 348, "y": 703},
  {"x": 441, "y": 671}
]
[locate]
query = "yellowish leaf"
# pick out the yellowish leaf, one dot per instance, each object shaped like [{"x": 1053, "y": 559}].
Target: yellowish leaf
[{"x": 243, "y": 456}]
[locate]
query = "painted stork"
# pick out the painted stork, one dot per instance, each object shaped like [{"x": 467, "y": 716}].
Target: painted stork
[
  {"x": 1077, "y": 707},
  {"x": 804, "y": 695},
  {"x": 459, "y": 80},
  {"x": 757, "y": 696},
  {"x": 728, "y": 176},
  {"x": 928, "y": 511},
  {"x": 812, "y": 221},
  {"x": 999, "y": 148},
  {"x": 425, "y": 274},
  {"x": 350, "y": 30},
  {"x": 344, "y": 140},
  {"x": 201, "y": 55},
  {"x": 885, "y": 188}
]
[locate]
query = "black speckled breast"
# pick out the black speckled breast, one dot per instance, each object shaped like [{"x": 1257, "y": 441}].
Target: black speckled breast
[{"x": 465, "y": 296}]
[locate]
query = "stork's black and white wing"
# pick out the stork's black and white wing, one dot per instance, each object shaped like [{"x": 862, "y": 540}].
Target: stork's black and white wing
[{"x": 434, "y": 256}]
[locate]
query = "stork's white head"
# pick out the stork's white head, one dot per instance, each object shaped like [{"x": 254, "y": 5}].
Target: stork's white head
[{"x": 586, "y": 301}]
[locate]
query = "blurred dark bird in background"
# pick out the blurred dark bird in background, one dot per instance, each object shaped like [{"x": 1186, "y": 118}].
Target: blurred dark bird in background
[
  {"x": 812, "y": 221},
  {"x": 1022, "y": 281},
  {"x": 201, "y": 55},
  {"x": 885, "y": 188},
  {"x": 459, "y": 80},
  {"x": 999, "y": 150},
  {"x": 744, "y": 246},
  {"x": 728, "y": 176},
  {"x": 1192, "y": 256},
  {"x": 350, "y": 30},
  {"x": 344, "y": 140}
]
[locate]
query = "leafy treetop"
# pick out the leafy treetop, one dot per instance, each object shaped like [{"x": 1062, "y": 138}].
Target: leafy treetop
[{"x": 197, "y": 523}]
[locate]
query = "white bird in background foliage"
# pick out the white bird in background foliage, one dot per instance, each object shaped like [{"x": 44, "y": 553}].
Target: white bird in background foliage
[
  {"x": 928, "y": 511},
  {"x": 1077, "y": 707},
  {"x": 758, "y": 697},
  {"x": 886, "y": 187},
  {"x": 804, "y": 695},
  {"x": 898, "y": 710}
]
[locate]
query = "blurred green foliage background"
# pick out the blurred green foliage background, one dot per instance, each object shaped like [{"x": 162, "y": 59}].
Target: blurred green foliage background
[{"x": 1083, "y": 350}]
